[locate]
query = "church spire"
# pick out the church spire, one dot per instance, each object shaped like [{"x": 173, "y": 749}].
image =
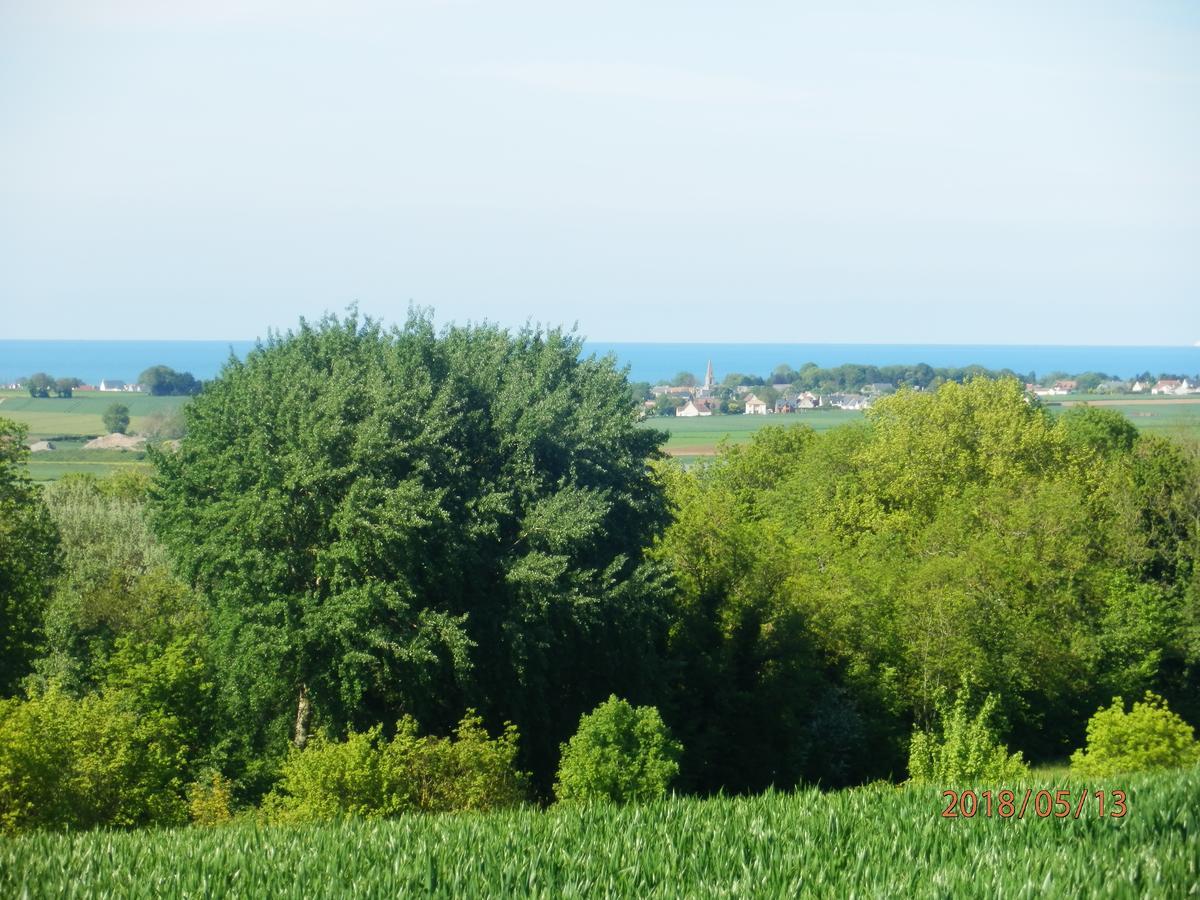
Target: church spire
[{"x": 709, "y": 381}]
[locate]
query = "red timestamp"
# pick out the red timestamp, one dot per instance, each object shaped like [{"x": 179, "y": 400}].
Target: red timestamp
[{"x": 1044, "y": 804}]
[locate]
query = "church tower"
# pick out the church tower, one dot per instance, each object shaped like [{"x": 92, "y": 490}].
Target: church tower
[{"x": 709, "y": 381}]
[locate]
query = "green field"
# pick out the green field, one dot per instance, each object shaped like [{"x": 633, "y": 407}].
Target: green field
[
  {"x": 1171, "y": 416},
  {"x": 868, "y": 842},
  {"x": 81, "y": 414},
  {"x": 699, "y": 436}
]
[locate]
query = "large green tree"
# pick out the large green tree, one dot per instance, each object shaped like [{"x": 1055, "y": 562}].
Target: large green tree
[
  {"x": 28, "y": 559},
  {"x": 406, "y": 521}
]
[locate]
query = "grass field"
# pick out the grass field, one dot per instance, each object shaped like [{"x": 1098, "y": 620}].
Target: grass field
[
  {"x": 869, "y": 842},
  {"x": 699, "y": 436},
  {"x": 81, "y": 414}
]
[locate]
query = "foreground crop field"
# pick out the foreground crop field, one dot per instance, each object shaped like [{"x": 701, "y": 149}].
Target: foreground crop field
[{"x": 876, "y": 842}]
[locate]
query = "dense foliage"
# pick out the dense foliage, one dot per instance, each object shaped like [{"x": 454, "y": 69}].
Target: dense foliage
[
  {"x": 620, "y": 754},
  {"x": 163, "y": 381},
  {"x": 872, "y": 842},
  {"x": 365, "y": 776},
  {"x": 963, "y": 748},
  {"x": 830, "y": 586},
  {"x": 405, "y": 522},
  {"x": 28, "y": 559},
  {"x": 368, "y": 532},
  {"x": 1147, "y": 738}
]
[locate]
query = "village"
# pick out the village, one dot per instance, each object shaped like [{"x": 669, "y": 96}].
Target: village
[{"x": 709, "y": 397}]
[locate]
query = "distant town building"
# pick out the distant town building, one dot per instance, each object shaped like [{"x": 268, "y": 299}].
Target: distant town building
[
  {"x": 1171, "y": 386},
  {"x": 698, "y": 406},
  {"x": 755, "y": 407},
  {"x": 111, "y": 384}
]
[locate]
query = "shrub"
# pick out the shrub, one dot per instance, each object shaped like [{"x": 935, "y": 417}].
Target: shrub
[
  {"x": 964, "y": 748},
  {"x": 620, "y": 753},
  {"x": 1148, "y": 738},
  {"x": 369, "y": 777},
  {"x": 83, "y": 763},
  {"x": 210, "y": 799}
]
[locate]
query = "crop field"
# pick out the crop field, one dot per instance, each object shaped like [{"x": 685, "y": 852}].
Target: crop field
[
  {"x": 696, "y": 437},
  {"x": 80, "y": 414},
  {"x": 68, "y": 457},
  {"x": 700, "y": 436},
  {"x": 1169, "y": 416},
  {"x": 874, "y": 842}
]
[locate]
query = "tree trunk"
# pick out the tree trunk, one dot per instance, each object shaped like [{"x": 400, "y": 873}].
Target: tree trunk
[{"x": 303, "y": 708}]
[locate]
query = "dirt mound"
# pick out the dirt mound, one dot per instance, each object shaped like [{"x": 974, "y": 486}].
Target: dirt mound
[
  {"x": 115, "y": 441},
  {"x": 40, "y": 446}
]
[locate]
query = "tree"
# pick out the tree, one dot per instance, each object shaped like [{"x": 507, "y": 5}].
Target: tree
[
  {"x": 620, "y": 754},
  {"x": 116, "y": 418},
  {"x": 665, "y": 404},
  {"x": 28, "y": 559},
  {"x": 165, "y": 381},
  {"x": 392, "y": 522},
  {"x": 40, "y": 384},
  {"x": 684, "y": 379},
  {"x": 65, "y": 386}
]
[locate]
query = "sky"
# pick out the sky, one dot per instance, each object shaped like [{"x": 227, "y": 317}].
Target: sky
[{"x": 1018, "y": 172}]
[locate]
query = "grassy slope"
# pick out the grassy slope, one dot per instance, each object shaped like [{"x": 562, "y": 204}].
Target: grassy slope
[{"x": 876, "y": 842}]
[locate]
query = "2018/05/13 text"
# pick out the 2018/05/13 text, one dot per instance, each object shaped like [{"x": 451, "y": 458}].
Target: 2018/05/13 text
[{"x": 1060, "y": 804}]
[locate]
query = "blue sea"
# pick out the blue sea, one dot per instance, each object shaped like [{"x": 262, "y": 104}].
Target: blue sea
[{"x": 653, "y": 362}]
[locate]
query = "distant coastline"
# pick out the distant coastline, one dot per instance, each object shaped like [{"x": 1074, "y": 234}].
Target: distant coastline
[{"x": 653, "y": 362}]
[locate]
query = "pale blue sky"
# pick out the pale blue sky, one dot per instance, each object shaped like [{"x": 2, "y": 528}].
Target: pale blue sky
[{"x": 1018, "y": 172}]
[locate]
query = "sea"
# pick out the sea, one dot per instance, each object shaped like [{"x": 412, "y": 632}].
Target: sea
[{"x": 92, "y": 361}]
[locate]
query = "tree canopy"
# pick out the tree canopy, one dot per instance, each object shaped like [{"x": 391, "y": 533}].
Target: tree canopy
[
  {"x": 28, "y": 559},
  {"x": 390, "y": 522},
  {"x": 165, "y": 381}
]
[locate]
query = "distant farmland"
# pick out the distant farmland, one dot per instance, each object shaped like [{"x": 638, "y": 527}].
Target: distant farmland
[
  {"x": 80, "y": 417},
  {"x": 1177, "y": 417}
]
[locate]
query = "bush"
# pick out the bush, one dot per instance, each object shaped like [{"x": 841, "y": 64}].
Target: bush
[
  {"x": 99, "y": 760},
  {"x": 1148, "y": 738},
  {"x": 210, "y": 799},
  {"x": 368, "y": 777},
  {"x": 620, "y": 753},
  {"x": 964, "y": 748}
]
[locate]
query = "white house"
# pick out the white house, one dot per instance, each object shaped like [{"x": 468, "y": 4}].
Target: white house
[
  {"x": 755, "y": 407},
  {"x": 1171, "y": 386},
  {"x": 111, "y": 384},
  {"x": 1138, "y": 387},
  {"x": 694, "y": 408}
]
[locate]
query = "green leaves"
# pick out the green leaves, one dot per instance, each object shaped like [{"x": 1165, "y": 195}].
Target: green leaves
[
  {"x": 411, "y": 522},
  {"x": 28, "y": 559},
  {"x": 620, "y": 754},
  {"x": 1147, "y": 738}
]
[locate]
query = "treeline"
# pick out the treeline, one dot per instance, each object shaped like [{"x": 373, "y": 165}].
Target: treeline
[
  {"x": 41, "y": 384},
  {"x": 405, "y": 563},
  {"x": 854, "y": 377}
]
